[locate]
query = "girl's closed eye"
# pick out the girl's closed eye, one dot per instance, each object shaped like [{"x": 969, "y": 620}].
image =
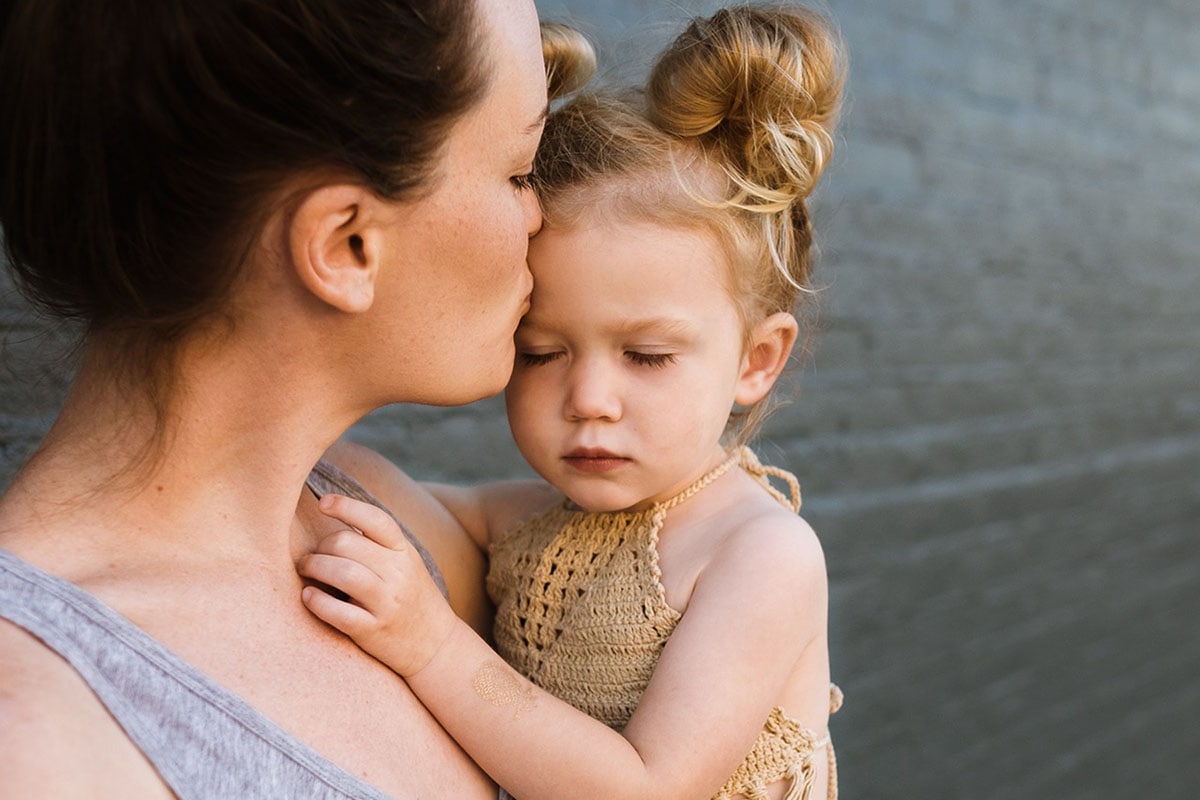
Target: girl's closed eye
[
  {"x": 655, "y": 360},
  {"x": 527, "y": 359}
]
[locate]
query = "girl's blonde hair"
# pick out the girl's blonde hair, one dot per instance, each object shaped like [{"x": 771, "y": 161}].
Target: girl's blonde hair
[
  {"x": 569, "y": 56},
  {"x": 730, "y": 136}
]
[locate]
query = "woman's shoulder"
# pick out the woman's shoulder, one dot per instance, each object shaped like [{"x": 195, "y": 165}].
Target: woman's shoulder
[{"x": 56, "y": 739}]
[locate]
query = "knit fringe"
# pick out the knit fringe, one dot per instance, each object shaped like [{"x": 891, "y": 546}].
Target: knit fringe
[{"x": 802, "y": 784}]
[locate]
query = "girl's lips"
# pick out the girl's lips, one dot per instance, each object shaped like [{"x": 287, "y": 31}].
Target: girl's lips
[{"x": 594, "y": 460}]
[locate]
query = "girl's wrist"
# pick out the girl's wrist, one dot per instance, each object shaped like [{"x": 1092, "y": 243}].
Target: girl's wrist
[{"x": 441, "y": 631}]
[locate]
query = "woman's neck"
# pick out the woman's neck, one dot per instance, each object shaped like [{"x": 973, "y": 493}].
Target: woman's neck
[{"x": 220, "y": 467}]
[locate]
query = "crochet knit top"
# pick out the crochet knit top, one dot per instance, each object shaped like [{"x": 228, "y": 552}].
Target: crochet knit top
[{"x": 581, "y": 611}]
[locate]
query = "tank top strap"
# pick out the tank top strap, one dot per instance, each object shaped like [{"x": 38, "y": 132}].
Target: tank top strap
[{"x": 326, "y": 478}]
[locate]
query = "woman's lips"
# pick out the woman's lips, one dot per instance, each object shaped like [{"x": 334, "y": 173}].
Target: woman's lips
[{"x": 591, "y": 460}]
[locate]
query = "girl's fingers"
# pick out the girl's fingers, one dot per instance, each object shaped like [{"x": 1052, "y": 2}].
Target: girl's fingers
[
  {"x": 355, "y": 546},
  {"x": 385, "y": 563},
  {"x": 343, "y": 574},
  {"x": 346, "y": 617},
  {"x": 375, "y": 523}
]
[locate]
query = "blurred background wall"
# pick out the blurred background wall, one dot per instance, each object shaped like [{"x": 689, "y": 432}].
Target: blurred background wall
[{"x": 998, "y": 431}]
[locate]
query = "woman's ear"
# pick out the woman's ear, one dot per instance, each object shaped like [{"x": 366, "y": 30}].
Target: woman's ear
[
  {"x": 771, "y": 342},
  {"x": 335, "y": 242}
]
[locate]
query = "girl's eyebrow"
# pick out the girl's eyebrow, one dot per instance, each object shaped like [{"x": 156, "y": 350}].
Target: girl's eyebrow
[
  {"x": 667, "y": 327},
  {"x": 661, "y": 326}
]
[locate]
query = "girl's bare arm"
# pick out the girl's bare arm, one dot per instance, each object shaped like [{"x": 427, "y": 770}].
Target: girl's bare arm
[
  {"x": 488, "y": 510},
  {"x": 753, "y": 614}
]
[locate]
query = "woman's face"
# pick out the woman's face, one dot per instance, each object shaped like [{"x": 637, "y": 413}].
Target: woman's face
[{"x": 455, "y": 282}]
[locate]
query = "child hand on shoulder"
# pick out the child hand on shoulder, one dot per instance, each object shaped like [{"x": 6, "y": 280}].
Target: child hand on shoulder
[{"x": 397, "y": 613}]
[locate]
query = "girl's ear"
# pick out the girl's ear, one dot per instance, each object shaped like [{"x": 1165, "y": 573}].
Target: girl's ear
[
  {"x": 771, "y": 343},
  {"x": 335, "y": 243}
]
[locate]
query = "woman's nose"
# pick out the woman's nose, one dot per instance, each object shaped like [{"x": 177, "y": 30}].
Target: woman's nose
[
  {"x": 592, "y": 393},
  {"x": 533, "y": 212}
]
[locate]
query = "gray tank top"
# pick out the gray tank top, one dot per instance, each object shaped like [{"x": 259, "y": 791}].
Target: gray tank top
[{"x": 204, "y": 741}]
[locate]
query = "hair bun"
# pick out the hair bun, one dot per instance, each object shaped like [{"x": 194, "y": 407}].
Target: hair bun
[
  {"x": 763, "y": 86},
  {"x": 570, "y": 59}
]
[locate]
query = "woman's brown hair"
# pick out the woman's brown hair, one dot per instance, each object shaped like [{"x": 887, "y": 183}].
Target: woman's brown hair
[{"x": 141, "y": 141}]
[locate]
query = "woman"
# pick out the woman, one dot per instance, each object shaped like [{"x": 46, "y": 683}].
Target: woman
[{"x": 273, "y": 217}]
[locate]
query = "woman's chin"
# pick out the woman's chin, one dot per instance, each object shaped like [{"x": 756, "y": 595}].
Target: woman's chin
[
  {"x": 460, "y": 382},
  {"x": 463, "y": 394}
]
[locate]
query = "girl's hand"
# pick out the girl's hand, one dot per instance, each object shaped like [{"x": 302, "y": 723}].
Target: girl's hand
[{"x": 395, "y": 611}]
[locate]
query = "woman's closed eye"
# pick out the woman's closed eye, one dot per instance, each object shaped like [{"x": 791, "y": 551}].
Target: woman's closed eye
[{"x": 522, "y": 182}]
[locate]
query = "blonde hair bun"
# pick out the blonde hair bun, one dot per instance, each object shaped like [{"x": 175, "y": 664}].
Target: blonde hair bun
[
  {"x": 762, "y": 85},
  {"x": 570, "y": 59}
]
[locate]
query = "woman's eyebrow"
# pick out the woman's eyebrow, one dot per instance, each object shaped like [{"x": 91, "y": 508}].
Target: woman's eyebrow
[{"x": 537, "y": 124}]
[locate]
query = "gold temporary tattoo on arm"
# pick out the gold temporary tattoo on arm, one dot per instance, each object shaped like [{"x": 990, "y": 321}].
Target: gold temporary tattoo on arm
[{"x": 497, "y": 684}]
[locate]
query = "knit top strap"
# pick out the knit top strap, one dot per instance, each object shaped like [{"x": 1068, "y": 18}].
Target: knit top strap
[
  {"x": 744, "y": 457},
  {"x": 763, "y": 474},
  {"x": 691, "y": 491}
]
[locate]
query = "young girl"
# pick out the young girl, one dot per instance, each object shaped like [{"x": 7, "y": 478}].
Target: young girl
[{"x": 674, "y": 594}]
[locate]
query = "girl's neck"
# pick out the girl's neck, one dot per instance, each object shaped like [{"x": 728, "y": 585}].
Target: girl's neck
[{"x": 731, "y": 461}]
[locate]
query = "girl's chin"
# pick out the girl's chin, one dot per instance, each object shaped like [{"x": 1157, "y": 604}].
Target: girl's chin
[{"x": 608, "y": 505}]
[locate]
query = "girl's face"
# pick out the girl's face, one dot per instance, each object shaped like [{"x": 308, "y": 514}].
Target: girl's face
[
  {"x": 628, "y": 362},
  {"x": 457, "y": 281}
]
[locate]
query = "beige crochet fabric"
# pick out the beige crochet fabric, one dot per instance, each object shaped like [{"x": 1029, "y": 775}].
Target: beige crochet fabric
[{"x": 581, "y": 611}]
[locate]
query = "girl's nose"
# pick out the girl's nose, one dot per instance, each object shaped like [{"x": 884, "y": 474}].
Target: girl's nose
[{"x": 592, "y": 393}]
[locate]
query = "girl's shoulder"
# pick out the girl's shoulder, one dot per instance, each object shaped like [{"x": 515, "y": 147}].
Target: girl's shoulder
[
  {"x": 747, "y": 543},
  {"x": 757, "y": 587},
  {"x": 750, "y": 524},
  {"x": 490, "y": 511},
  {"x": 770, "y": 540},
  {"x": 512, "y": 503}
]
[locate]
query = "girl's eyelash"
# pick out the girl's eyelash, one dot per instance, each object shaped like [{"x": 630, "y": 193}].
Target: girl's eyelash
[
  {"x": 535, "y": 359},
  {"x": 652, "y": 360},
  {"x": 656, "y": 360}
]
